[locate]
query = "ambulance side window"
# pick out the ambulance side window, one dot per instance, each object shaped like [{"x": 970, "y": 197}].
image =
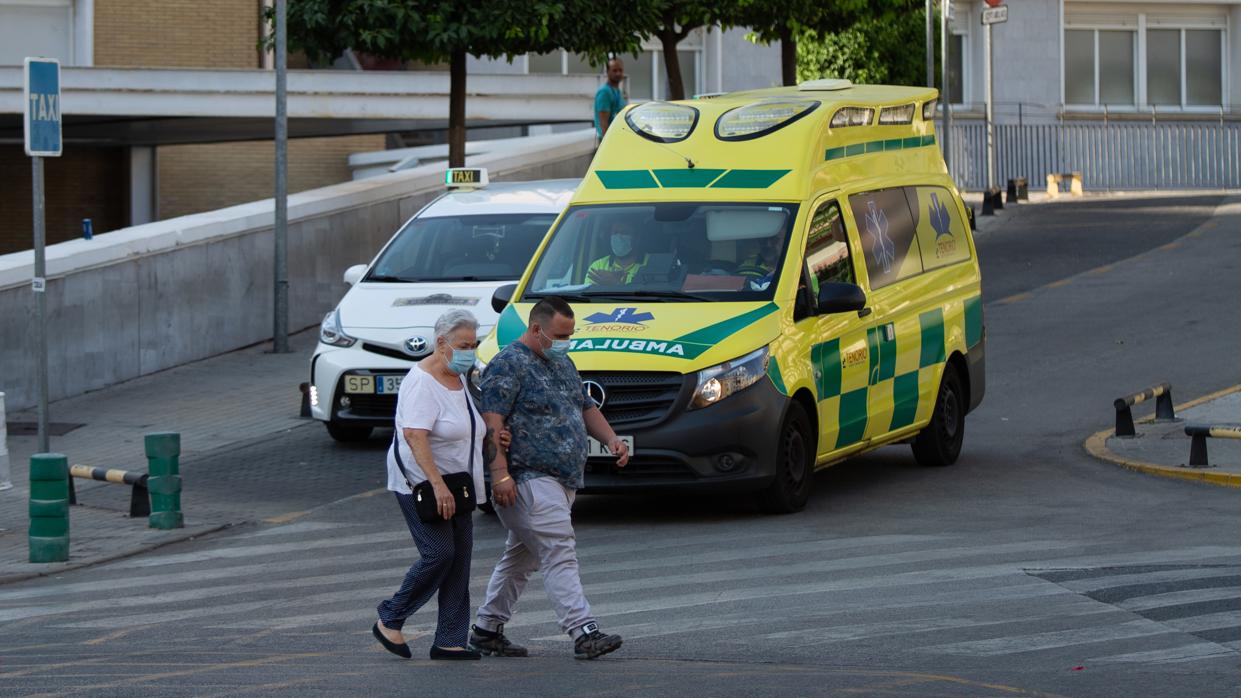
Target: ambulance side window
[{"x": 827, "y": 248}]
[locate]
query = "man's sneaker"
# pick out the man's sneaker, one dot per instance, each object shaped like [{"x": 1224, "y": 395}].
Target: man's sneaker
[
  {"x": 494, "y": 644},
  {"x": 592, "y": 643}
]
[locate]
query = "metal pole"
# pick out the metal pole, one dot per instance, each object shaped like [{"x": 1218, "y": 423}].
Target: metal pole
[
  {"x": 945, "y": 95},
  {"x": 280, "y": 317},
  {"x": 6, "y": 474},
  {"x": 990, "y": 124},
  {"x": 39, "y": 285},
  {"x": 930, "y": 43}
]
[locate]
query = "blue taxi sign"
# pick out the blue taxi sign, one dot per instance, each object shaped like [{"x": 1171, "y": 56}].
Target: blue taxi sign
[
  {"x": 465, "y": 177},
  {"x": 41, "y": 107}
]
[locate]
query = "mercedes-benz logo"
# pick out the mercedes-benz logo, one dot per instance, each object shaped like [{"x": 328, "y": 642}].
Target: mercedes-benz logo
[
  {"x": 596, "y": 393},
  {"x": 416, "y": 346}
]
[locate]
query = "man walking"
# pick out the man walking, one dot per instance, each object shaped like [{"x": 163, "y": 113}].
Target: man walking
[
  {"x": 533, "y": 388},
  {"x": 608, "y": 98}
]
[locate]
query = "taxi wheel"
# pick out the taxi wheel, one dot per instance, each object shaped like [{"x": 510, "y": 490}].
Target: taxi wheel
[
  {"x": 794, "y": 465},
  {"x": 940, "y": 442},
  {"x": 348, "y": 433}
]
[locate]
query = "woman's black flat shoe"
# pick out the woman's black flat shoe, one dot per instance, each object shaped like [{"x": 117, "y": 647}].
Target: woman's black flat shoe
[
  {"x": 400, "y": 649},
  {"x": 439, "y": 653}
]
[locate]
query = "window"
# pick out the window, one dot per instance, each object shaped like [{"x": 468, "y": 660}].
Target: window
[
  {"x": 888, "y": 232},
  {"x": 454, "y": 248},
  {"x": 827, "y": 248},
  {"x": 956, "y": 68},
  {"x": 1100, "y": 67},
  {"x": 665, "y": 252},
  {"x": 1184, "y": 67},
  {"x": 941, "y": 230}
]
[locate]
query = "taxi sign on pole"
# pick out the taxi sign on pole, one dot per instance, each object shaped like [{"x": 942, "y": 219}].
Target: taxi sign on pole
[
  {"x": 994, "y": 15},
  {"x": 41, "y": 106}
]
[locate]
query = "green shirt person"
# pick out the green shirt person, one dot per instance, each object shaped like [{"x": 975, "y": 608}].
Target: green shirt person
[
  {"x": 623, "y": 264},
  {"x": 608, "y": 98}
]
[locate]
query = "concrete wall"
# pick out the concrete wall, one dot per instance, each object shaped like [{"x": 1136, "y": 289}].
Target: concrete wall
[{"x": 159, "y": 295}]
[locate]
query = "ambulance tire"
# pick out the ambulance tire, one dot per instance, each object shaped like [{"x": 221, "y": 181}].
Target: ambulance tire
[
  {"x": 939, "y": 443},
  {"x": 794, "y": 465},
  {"x": 348, "y": 433}
]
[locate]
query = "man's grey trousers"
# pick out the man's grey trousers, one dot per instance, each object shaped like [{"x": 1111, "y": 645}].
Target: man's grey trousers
[{"x": 540, "y": 537}]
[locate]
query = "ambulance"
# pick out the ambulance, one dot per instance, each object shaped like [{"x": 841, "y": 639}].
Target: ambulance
[
  {"x": 764, "y": 284},
  {"x": 454, "y": 253}
]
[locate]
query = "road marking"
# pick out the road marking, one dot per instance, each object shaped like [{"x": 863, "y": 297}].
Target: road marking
[
  {"x": 1034, "y": 642},
  {"x": 112, "y": 636},
  {"x": 1174, "y": 655},
  {"x": 1176, "y": 598},
  {"x": 1206, "y": 621},
  {"x": 147, "y": 678}
]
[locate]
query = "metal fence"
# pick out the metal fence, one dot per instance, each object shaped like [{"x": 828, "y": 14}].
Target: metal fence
[{"x": 1114, "y": 155}]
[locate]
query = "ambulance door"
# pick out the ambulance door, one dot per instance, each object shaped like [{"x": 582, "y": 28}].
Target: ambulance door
[
  {"x": 893, "y": 263},
  {"x": 836, "y": 342}
]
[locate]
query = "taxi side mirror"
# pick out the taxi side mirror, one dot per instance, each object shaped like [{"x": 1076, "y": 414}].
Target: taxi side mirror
[
  {"x": 502, "y": 297},
  {"x": 354, "y": 274},
  {"x": 840, "y": 298}
]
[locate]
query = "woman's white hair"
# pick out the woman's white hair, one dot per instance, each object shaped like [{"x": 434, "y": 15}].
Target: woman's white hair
[{"x": 454, "y": 320}]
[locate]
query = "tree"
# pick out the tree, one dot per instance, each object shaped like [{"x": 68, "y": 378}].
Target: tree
[
  {"x": 439, "y": 31},
  {"x": 794, "y": 18},
  {"x": 670, "y": 21},
  {"x": 872, "y": 48}
]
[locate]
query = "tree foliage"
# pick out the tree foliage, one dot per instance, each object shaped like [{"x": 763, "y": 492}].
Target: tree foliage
[
  {"x": 447, "y": 31},
  {"x": 876, "y": 47}
]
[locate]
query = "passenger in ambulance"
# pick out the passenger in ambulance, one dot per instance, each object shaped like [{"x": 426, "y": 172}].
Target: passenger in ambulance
[{"x": 624, "y": 262}]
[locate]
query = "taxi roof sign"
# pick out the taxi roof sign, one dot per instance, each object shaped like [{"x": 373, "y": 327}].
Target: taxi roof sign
[{"x": 465, "y": 177}]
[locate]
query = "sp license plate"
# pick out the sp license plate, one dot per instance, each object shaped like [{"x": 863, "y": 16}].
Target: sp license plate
[
  {"x": 594, "y": 449},
  {"x": 380, "y": 385}
]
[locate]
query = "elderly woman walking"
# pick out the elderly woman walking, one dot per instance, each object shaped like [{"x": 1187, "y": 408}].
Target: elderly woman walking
[{"x": 436, "y": 457}]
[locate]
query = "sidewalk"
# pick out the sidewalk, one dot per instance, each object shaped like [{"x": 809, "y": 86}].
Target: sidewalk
[
  {"x": 1162, "y": 448},
  {"x": 216, "y": 403}
]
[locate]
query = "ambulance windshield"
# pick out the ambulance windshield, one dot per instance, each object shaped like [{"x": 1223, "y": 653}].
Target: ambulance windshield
[{"x": 666, "y": 251}]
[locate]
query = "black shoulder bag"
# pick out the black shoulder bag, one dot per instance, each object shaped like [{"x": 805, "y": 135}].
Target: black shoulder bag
[{"x": 460, "y": 484}]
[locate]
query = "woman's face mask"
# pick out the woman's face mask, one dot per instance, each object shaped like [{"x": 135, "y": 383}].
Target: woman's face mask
[
  {"x": 460, "y": 360},
  {"x": 622, "y": 244}
]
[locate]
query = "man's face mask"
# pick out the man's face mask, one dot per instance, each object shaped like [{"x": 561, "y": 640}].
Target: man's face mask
[{"x": 622, "y": 244}]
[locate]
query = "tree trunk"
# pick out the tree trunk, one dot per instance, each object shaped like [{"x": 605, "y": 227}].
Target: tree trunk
[
  {"x": 788, "y": 55},
  {"x": 672, "y": 64},
  {"x": 456, "y": 110}
]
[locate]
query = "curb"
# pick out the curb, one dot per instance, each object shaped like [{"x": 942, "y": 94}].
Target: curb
[
  {"x": 1096, "y": 446},
  {"x": 14, "y": 578}
]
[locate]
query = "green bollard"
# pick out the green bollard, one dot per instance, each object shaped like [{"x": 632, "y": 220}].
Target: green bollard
[
  {"x": 164, "y": 481},
  {"x": 49, "y": 507}
]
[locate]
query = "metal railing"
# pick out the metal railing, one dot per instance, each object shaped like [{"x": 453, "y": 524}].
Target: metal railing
[{"x": 1110, "y": 155}]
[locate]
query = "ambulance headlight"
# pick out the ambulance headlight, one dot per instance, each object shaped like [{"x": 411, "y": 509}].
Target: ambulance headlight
[
  {"x": 761, "y": 118},
  {"x": 718, "y": 382},
  {"x": 662, "y": 122},
  {"x": 331, "y": 333}
]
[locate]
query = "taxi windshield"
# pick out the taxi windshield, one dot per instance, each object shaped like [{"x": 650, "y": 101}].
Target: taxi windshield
[
  {"x": 665, "y": 252},
  {"x": 462, "y": 248}
]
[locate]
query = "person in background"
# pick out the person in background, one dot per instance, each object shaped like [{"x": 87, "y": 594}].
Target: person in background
[{"x": 608, "y": 98}]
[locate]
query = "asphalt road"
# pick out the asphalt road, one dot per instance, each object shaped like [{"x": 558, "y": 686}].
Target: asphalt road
[{"x": 1025, "y": 569}]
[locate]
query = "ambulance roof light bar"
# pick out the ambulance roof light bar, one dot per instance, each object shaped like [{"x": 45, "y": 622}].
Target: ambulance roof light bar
[{"x": 826, "y": 84}]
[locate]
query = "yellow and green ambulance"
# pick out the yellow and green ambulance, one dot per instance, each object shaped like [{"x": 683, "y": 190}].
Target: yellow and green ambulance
[{"x": 807, "y": 289}]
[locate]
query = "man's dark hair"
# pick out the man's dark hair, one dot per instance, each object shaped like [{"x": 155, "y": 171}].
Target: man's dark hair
[{"x": 549, "y": 307}]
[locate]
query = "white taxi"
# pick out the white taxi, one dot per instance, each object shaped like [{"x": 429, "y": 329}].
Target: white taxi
[{"x": 454, "y": 253}]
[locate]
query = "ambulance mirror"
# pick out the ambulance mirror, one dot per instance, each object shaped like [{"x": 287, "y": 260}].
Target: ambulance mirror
[
  {"x": 502, "y": 297},
  {"x": 840, "y": 298}
]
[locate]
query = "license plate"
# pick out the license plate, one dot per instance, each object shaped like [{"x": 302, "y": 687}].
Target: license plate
[
  {"x": 594, "y": 449},
  {"x": 382, "y": 385}
]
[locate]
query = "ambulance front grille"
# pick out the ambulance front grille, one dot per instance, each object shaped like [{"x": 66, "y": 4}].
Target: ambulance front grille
[{"x": 636, "y": 397}]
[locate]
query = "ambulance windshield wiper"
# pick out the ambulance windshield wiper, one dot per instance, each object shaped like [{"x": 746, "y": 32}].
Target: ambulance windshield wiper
[{"x": 668, "y": 294}]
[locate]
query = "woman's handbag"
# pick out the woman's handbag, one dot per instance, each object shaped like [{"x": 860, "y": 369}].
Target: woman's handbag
[{"x": 460, "y": 484}]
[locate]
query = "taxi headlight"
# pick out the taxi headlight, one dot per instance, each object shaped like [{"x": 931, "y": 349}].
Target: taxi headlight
[
  {"x": 330, "y": 331},
  {"x": 718, "y": 382},
  {"x": 761, "y": 118},
  {"x": 662, "y": 122}
]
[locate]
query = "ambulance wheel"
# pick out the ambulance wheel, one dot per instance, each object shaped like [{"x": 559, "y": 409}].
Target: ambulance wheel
[
  {"x": 348, "y": 433},
  {"x": 794, "y": 465},
  {"x": 940, "y": 442}
]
